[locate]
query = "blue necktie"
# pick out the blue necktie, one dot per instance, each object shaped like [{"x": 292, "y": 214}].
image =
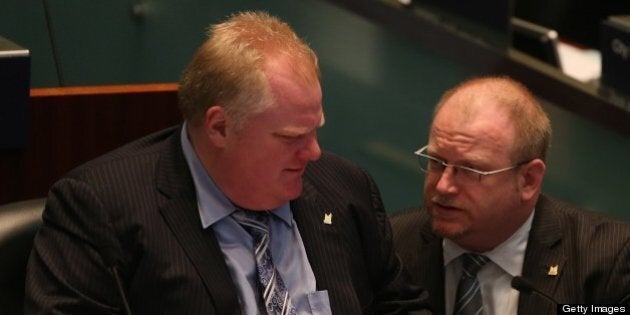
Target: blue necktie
[
  {"x": 274, "y": 292},
  {"x": 468, "y": 299}
]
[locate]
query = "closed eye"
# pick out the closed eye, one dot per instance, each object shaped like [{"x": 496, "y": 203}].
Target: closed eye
[{"x": 289, "y": 138}]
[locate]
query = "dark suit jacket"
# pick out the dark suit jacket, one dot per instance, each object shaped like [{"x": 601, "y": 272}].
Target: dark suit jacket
[
  {"x": 135, "y": 209},
  {"x": 592, "y": 253}
]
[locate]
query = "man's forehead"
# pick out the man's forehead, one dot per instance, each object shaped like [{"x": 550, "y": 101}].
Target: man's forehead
[{"x": 303, "y": 128}]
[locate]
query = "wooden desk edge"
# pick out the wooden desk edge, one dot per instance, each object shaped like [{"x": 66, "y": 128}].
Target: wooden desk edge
[{"x": 104, "y": 89}]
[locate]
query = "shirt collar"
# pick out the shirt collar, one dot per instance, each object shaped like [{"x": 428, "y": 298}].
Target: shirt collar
[
  {"x": 508, "y": 255},
  {"x": 212, "y": 203}
]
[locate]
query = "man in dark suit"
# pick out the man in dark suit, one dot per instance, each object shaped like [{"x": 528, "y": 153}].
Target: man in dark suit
[
  {"x": 237, "y": 211},
  {"x": 485, "y": 220}
]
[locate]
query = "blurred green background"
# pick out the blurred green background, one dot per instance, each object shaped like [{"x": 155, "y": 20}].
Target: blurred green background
[{"x": 379, "y": 87}]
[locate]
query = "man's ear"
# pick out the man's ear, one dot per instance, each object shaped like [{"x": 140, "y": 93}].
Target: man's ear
[
  {"x": 215, "y": 125},
  {"x": 531, "y": 178}
]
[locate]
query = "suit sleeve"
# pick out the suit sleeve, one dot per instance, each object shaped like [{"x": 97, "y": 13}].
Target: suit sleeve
[
  {"x": 66, "y": 273},
  {"x": 618, "y": 285},
  {"x": 395, "y": 292}
]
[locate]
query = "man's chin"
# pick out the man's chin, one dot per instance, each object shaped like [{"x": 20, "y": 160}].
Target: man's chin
[
  {"x": 451, "y": 230},
  {"x": 293, "y": 191}
]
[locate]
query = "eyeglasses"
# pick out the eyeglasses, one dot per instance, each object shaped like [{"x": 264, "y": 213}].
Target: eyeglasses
[{"x": 430, "y": 164}]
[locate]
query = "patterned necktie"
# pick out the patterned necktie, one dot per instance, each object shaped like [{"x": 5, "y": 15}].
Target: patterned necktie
[
  {"x": 274, "y": 292},
  {"x": 468, "y": 299}
]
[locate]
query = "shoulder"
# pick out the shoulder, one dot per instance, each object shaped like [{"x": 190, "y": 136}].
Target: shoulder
[
  {"x": 408, "y": 219},
  {"x": 583, "y": 227},
  {"x": 337, "y": 173},
  {"x": 124, "y": 173},
  {"x": 332, "y": 163},
  {"x": 576, "y": 216},
  {"x": 117, "y": 185},
  {"x": 137, "y": 155},
  {"x": 597, "y": 246},
  {"x": 408, "y": 225}
]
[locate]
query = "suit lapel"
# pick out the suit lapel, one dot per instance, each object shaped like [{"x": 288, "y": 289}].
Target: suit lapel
[
  {"x": 544, "y": 261},
  {"x": 179, "y": 210},
  {"x": 323, "y": 243}
]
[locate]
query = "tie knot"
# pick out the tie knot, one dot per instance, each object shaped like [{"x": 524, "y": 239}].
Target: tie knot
[
  {"x": 255, "y": 223},
  {"x": 472, "y": 263}
]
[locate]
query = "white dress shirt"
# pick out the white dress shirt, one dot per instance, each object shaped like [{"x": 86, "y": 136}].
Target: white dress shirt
[{"x": 506, "y": 261}]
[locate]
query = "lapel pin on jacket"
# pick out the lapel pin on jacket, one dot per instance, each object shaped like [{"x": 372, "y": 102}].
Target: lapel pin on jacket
[
  {"x": 553, "y": 270},
  {"x": 328, "y": 218}
]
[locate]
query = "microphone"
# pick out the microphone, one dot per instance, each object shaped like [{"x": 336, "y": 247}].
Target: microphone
[
  {"x": 525, "y": 286},
  {"x": 109, "y": 257}
]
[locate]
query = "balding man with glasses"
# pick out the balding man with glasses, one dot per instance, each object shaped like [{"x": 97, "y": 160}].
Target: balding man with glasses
[{"x": 485, "y": 221}]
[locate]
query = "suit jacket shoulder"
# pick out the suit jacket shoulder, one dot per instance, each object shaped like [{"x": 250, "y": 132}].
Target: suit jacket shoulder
[
  {"x": 591, "y": 252},
  {"x": 133, "y": 209}
]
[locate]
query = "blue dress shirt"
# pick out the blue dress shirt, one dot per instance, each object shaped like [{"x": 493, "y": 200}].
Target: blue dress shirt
[{"x": 287, "y": 249}]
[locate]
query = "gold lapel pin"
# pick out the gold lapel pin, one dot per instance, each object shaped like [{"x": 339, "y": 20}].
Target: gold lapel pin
[
  {"x": 328, "y": 218},
  {"x": 553, "y": 270}
]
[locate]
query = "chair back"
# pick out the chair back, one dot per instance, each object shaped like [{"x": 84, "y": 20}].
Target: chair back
[{"x": 19, "y": 222}]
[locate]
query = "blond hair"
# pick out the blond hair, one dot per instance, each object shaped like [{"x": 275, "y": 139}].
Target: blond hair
[{"x": 228, "y": 69}]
